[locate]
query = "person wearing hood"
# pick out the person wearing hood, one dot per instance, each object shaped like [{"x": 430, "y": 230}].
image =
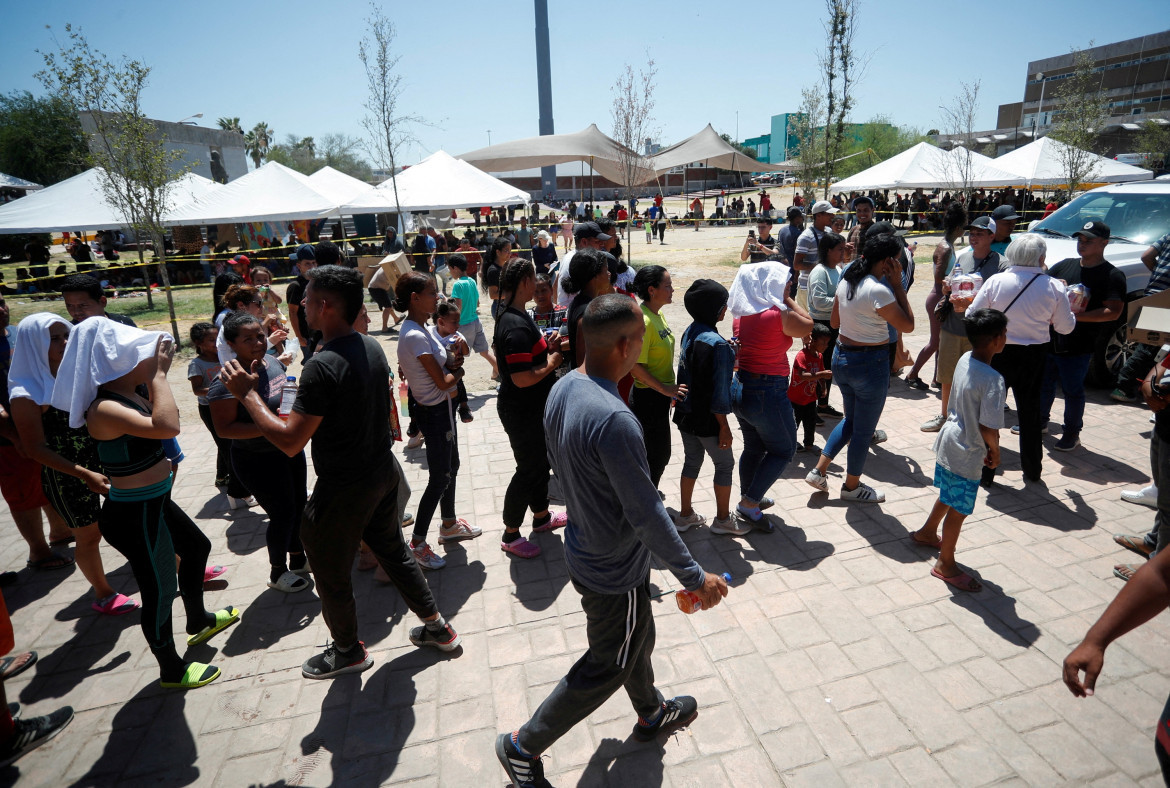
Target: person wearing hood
[
  {"x": 98, "y": 380},
  {"x": 70, "y": 475},
  {"x": 704, "y": 366}
]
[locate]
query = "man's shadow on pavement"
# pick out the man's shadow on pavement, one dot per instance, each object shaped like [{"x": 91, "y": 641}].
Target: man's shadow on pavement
[
  {"x": 150, "y": 735},
  {"x": 539, "y": 581},
  {"x": 628, "y": 762},
  {"x": 364, "y": 749},
  {"x": 1035, "y": 504},
  {"x": 80, "y": 658},
  {"x": 998, "y": 611}
]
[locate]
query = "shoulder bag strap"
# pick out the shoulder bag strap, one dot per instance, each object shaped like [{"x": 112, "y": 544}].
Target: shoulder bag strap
[{"x": 1024, "y": 288}]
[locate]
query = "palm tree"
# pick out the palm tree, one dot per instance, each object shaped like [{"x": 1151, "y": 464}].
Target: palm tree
[
  {"x": 257, "y": 141},
  {"x": 308, "y": 145},
  {"x": 230, "y": 124}
]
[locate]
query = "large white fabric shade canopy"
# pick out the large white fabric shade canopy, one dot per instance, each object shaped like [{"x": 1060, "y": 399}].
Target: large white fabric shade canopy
[
  {"x": 589, "y": 145},
  {"x": 12, "y": 182},
  {"x": 711, "y": 149},
  {"x": 271, "y": 193},
  {"x": 923, "y": 166},
  {"x": 440, "y": 181},
  {"x": 1039, "y": 163},
  {"x": 79, "y": 204},
  {"x": 338, "y": 186}
]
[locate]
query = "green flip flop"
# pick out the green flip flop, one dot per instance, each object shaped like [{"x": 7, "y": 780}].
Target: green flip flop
[
  {"x": 197, "y": 674},
  {"x": 223, "y": 619}
]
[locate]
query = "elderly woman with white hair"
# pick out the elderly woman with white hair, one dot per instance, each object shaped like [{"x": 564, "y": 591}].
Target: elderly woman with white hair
[{"x": 1033, "y": 302}]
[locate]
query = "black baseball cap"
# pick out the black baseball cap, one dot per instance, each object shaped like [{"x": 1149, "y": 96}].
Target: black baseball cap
[
  {"x": 589, "y": 230},
  {"x": 304, "y": 252},
  {"x": 1005, "y": 213},
  {"x": 1094, "y": 230},
  {"x": 863, "y": 199},
  {"x": 794, "y": 211}
]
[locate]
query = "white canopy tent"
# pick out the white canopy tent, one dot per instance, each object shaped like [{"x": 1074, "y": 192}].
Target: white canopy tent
[
  {"x": 271, "y": 193},
  {"x": 79, "y": 204},
  {"x": 922, "y": 167},
  {"x": 589, "y": 145},
  {"x": 984, "y": 171},
  {"x": 338, "y": 186},
  {"x": 1039, "y": 164},
  {"x": 12, "y": 182},
  {"x": 711, "y": 149},
  {"x": 438, "y": 182}
]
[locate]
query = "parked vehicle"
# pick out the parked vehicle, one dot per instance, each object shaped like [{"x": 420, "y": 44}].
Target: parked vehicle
[{"x": 1138, "y": 213}]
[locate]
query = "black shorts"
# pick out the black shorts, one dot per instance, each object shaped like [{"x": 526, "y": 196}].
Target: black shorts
[{"x": 381, "y": 297}]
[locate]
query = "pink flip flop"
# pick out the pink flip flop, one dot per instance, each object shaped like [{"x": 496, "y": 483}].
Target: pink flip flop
[
  {"x": 212, "y": 572},
  {"x": 961, "y": 581},
  {"x": 116, "y": 605},
  {"x": 558, "y": 520},
  {"x": 521, "y": 548}
]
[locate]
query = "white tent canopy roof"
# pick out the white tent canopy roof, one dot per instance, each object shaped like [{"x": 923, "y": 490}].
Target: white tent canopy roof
[
  {"x": 12, "y": 182},
  {"x": 589, "y": 145},
  {"x": 440, "y": 181},
  {"x": 985, "y": 171},
  {"x": 338, "y": 186},
  {"x": 923, "y": 166},
  {"x": 711, "y": 149},
  {"x": 79, "y": 204},
  {"x": 271, "y": 193},
  {"x": 1039, "y": 163}
]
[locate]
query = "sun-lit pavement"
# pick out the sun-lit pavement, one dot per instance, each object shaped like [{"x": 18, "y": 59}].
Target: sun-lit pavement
[{"x": 836, "y": 658}]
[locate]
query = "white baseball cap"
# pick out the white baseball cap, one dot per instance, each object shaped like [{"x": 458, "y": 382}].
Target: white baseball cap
[{"x": 823, "y": 206}]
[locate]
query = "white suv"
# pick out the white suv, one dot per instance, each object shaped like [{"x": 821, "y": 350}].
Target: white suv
[{"x": 1138, "y": 214}]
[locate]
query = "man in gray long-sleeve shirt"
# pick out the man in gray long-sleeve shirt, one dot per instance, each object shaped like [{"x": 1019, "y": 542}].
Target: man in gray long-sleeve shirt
[{"x": 616, "y": 520}]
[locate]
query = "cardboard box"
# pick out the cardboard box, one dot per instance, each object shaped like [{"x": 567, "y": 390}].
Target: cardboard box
[
  {"x": 1149, "y": 319},
  {"x": 395, "y": 265}
]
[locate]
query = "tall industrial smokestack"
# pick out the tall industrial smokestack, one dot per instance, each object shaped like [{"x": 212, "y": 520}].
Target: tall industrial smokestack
[{"x": 548, "y": 175}]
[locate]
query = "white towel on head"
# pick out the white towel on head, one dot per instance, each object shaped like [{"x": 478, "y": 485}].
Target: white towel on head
[
  {"x": 99, "y": 350},
  {"x": 757, "y": 288},
  {"x": 29, "y": 375}
]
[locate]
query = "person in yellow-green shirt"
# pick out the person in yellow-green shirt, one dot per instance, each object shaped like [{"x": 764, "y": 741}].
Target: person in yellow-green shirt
[{"x": 654, "y": 385}]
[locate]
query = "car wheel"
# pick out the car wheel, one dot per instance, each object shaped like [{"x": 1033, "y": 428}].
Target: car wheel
[{"x": 1113, "y": 350}]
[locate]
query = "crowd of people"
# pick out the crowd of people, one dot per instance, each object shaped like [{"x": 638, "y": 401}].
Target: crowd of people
[{"x": 590, "y": 381}]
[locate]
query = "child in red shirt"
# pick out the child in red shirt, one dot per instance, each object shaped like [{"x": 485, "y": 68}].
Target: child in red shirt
[{"x": 808, "y": 370}]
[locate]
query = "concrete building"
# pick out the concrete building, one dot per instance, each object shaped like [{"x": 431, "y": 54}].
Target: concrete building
[
  {"x": 215, "y": 154},
  {"x": 1134, "y": 76}
]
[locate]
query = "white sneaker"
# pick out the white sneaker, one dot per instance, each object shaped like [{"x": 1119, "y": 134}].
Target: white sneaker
[
  {"x": 730, "y": 526},
  {"x": 457, "y": 531},
  {"x": 241, "y": 503},
  {"x": 415, "y": 441},
  {"x": 934, "y": 423},
  {"x": 817, "y": 479},
  {"x": 1146, "y": 496},
  {"x": 863, "y": 493},
  {"x": 684, "y": 523},
  {"x": 426, "y": 556},
  {"x": 1016, "y": 430}
]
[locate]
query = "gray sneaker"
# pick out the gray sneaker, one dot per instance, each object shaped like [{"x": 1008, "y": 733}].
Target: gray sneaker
[
  {"x": 730, "y": 527},
  {"x": 934, "y": 423},
  {"x": 818, "y": 480},
  {"x": 879, "y": 436}
]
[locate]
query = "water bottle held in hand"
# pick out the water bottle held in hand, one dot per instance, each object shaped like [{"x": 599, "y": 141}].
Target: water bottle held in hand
[
  {"x": 689, "y": 602},
  {"x": 287, "y": 397}
]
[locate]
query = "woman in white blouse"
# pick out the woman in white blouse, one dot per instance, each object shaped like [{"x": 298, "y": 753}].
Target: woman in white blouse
[{"x": 1032, "y": 301}]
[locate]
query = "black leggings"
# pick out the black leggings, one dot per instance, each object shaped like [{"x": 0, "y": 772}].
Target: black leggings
[
  {"x": 223, "y": 462},
  {"x": 529, "y": 485},
  {"x": 653, "y": 411},
  {"x": 442, "y": 442},
  {"x": 279, "y": 484},
  {"x": 806, "y": 416},
  {"x": 149, "y": 534}
]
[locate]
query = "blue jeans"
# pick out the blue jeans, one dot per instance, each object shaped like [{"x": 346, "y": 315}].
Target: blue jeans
[
  {"x": 1070, "y": 371},
  {"x": 863, "y": 377},
  {"x": 760, "y": 402}
]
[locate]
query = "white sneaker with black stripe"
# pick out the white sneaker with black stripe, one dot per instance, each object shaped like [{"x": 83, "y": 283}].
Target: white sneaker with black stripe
[
  {"x": 862, "y": 493},
  {"x": 676, "y": 713}
]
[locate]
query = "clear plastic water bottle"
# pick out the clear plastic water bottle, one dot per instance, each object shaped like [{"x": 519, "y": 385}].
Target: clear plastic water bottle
[
  {"x": 978, "y": 280},
  {"x": 956, "y": 272},
  {"x": 1078, "y": 298},
  {"x": 287, "y": 397},
  {"x": 688, "y": 601}
]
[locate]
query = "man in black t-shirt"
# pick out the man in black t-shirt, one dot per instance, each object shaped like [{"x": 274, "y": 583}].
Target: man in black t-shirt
[
  {"x": 305, "y": 260},
  {"x": 343, "y": 405},
  {"x": 1068, "y": 362}
]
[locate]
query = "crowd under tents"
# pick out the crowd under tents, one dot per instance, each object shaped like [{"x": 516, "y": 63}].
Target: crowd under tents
[
  {"x": 78, "y": 204},
  {"x": 19, "y": 184}
]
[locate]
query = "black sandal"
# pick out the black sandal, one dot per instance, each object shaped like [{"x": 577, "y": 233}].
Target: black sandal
[{"x": 53, "y": 561}]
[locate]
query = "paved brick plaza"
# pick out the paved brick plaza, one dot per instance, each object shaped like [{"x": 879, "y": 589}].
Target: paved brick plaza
[{"x": 836, "y": 659}]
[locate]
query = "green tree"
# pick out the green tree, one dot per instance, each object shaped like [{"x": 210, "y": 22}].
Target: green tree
[
  {"x": 810, "y": 142},
  {"x": 1080, "y": 116},
  {"x": 230, "y": 124},
  {"x": 1154, "y": 139},
  {"x": 746, "y": 150},
  {"x": 137, "y": 169},
  {"x": 40, "y": 138},
  {"x": 258, "y": 141},
  {"x": 841, "y": 65}
]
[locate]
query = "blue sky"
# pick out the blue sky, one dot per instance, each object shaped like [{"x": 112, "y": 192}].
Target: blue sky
[{"x": 470, "y": 66}]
